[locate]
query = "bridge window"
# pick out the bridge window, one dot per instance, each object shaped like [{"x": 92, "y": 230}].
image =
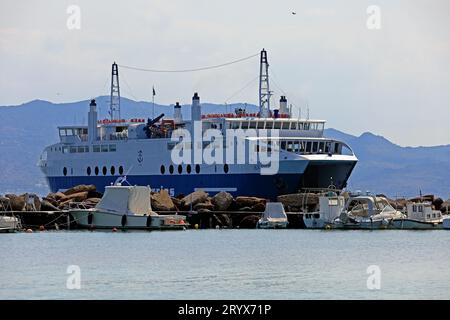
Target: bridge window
[
  {"x": 96, "y": 148},
  {"x": 121, "y": 170},
  {"x": 308, "y": 146},
  {"x": 73, "y": 149},
  {"x": 286, "y": 125},
  {"x": 321, "y": 147},
  {"x": 104, "y": 148},
  {"x": 112, "y": 148},
  {"x": 277, "y": 125}
]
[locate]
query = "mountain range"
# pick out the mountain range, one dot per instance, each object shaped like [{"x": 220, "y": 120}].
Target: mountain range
[{"x": 383, "y": 166}]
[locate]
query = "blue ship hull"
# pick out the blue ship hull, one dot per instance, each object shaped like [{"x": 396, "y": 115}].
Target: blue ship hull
[{"x": 317, "y": 175}]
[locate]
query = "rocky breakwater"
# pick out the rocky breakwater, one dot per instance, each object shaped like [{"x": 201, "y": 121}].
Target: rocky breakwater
[
  {"x": 221, "y": 210},
  {"x": 49, "y": 211}
]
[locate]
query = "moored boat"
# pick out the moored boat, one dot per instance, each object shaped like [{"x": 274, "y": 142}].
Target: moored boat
[
  {"x": 126, "y": 207},
  {"x": 274, "y": 217},
  {"x": 420, "y": 215}
]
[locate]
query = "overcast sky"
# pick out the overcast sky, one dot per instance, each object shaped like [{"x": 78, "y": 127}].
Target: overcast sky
[{"x": 393, "y": 81}]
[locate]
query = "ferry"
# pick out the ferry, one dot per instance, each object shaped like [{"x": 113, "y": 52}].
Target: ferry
[{"x": 106, "y": 150}]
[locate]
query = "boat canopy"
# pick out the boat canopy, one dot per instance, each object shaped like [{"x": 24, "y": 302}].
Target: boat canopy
[{"x": 130, "y": 200}]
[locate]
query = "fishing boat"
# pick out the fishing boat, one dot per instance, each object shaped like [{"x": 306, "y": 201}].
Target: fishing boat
[
  {"x": 273, "y": 217},
  {"x": 420, "y": 215},
  {"x": 330, "y": 207},
  {"x": 126, "y": 207}
]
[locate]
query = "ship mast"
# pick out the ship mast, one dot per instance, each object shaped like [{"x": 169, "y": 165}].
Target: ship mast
[
  {"x": 114, "y": 102},
  {"x": 264, "y": 91}
]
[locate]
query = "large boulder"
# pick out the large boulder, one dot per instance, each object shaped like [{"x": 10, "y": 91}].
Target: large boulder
[
  {"x": 259, "y": 207},
  {"x": 5, "y": 204},
  {"x": 204, "y": 205},
  {"x": 398, "y": 204},
  {"x": 222, "y": 201},
  {"x": 194, "y": 198},
  {"x": 248, "y": 201},
  {"x": 76, "y": 197},
  {"x": 161, "y": 201},
  {"x": 249, "y": 222},
  {"x": 298, "y": 199},
  {"x": 48, "y": 206},
  {"x": 52, "y": 201},
  {"x": 80, "y": 188},
  {"x": 57, "y": 196},
  {"x": 17, "y": 202}
]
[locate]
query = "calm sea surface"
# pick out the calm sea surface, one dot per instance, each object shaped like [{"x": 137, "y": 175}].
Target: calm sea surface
[{"x": 226, "y": 264}]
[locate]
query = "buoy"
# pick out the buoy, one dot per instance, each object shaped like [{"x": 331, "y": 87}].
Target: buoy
[
  {"x": 196, "y": 226},
  {"x": 114, "y": 229},
  {"x": 41, "y": 228},
  {"x": 29, "y": 231}
]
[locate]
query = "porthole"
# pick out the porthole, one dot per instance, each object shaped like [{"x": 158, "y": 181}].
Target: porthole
[
  {"x": 225, "y": 168},
  {"x": 188, "y": 168},
  {"x": 171, "y": 169},
  {"x": 121, "y": 170},
  {"x": 180, "y": 168},
  {"x": 197, "y": 168},
  {"x": 65, "y": 171},
  {"x": 113, "y": 170},
  {"x": 88, "y": 171},
  {"x": 162, "y": 169},
  {"x": 104, "y": 170},
  {"x": 96, "y": 171}
]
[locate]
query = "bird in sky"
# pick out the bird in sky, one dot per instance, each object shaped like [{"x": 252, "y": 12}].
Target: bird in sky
[{"x": 294, "y": 13}]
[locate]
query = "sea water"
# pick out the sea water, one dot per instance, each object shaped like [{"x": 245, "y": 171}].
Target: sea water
[{"x": 226, "y": 264}]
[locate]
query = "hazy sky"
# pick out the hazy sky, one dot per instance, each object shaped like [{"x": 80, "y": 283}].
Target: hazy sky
[{"x": 393, "y": 81}]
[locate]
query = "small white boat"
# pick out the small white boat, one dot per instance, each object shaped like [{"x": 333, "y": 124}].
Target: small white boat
[
  {"x": 126, "y": 207},
  {"x": 420, "y": 215},
  {"x": 274, "y": 217},
  {"x": 330, "y": 207},
  {"x": 9, "y": 224}
]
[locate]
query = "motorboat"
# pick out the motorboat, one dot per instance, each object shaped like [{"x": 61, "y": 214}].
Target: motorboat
[
  {"x": 9, "y": 224},
  {"x": 366, "y": 212},
  {"x": 273, "y": 217},
  {"x": 126, "y": 207}
]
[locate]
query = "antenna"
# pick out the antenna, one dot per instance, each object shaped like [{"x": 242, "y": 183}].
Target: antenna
[
  {"x": 264, "y": 91},
  {"x": 307, "y": 111},
  {"x": 114, "y": 106}
]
